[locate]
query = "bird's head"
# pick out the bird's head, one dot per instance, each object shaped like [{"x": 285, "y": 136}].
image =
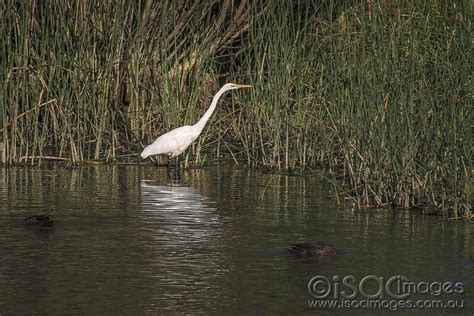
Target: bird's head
[{"x": 233, "y": 86}]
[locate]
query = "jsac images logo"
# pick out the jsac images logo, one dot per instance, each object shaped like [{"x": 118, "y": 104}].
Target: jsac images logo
[{"x": 373, "y": 291}]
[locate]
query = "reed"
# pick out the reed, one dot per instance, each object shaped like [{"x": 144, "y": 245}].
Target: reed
[
  {"x": 378, "y": 94},
  {"x": 380, "y": 98},
  {"x": 112, "y": 75}
]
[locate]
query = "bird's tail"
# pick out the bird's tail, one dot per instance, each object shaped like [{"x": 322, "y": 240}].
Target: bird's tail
[{"x": 146, "y": 152}]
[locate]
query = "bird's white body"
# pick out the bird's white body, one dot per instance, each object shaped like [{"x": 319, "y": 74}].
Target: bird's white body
[
  {"x": 173, "y": 143},
  {"x": 176, "y": 141}
]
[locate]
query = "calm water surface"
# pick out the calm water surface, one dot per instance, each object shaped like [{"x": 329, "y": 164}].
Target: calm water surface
[{"x": 142, "y": 239}]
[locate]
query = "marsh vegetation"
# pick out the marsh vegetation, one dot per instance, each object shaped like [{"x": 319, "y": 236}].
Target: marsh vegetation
[{"x": 377, "y": 94}]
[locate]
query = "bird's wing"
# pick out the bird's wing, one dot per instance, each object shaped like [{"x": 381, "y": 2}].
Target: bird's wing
[{"x": 173, "y": 142}]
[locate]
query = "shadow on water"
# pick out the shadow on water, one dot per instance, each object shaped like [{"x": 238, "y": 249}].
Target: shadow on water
[{"x": 141, "y": 239}]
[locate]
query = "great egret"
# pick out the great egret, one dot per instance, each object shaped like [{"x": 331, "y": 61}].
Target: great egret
[{"x": 176, "y": 141}]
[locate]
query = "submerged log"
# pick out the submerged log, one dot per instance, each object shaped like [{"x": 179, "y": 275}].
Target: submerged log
[
  {"x": 313, "y": 249},
  {"x": 39, "y": 221}
]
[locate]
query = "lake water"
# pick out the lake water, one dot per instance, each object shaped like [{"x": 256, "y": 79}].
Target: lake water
[{"x": 143, "y": 239}]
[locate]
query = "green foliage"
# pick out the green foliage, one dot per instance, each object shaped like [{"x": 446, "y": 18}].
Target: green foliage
[
  {"x": 381, "y": 98},
  {"x": 378, "y": 93}
]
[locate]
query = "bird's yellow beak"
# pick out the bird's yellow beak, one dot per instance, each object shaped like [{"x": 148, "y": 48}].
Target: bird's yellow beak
[{"x": 239, "y": 86}]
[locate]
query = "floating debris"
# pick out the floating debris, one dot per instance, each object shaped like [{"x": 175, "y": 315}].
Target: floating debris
[
  {"x": 313, "y": 249},
  {"x": 39, "y": 221}
]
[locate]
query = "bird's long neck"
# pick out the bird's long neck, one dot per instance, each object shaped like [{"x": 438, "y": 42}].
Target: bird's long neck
[{"x": 199, "y": 126}]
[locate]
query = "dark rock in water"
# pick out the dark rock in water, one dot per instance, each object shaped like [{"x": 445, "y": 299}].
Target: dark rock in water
[
  {"x": 313, "y": 249},
  {"x": 39, "y": 221}
]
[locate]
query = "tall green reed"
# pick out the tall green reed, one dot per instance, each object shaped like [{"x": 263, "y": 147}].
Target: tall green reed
[
  {"x": 376, "y": 93},
  {"x": 118, "y": 74},
  {"x": 380, "y": 98}
]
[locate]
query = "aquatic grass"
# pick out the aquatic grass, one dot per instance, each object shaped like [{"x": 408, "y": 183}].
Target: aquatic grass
[
  {"x": 381, "y": 101},
  {"x": 376, "y": 94},
  {"x": 120, "y": 73}
]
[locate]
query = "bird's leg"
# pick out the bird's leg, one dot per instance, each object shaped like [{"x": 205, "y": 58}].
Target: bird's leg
[
  {"x": 168, "y": 165},
  {"x": 176, "y": 162}
]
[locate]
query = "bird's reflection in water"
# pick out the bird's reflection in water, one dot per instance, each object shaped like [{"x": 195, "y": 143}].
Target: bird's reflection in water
[
  {"x": 180, "y": 229},
  {"x": 180, "y": 214}
]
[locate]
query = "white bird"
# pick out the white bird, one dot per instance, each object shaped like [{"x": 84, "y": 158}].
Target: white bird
[{"x": 176, "y": 141}]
